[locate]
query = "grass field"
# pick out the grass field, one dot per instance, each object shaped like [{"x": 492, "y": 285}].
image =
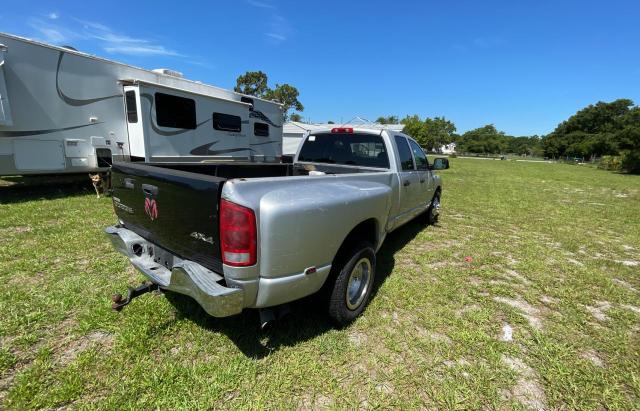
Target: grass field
[{"x": 526, "y": 295}]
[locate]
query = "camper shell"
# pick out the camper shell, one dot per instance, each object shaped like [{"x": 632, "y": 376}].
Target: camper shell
[{"x": 64, "y": 111}]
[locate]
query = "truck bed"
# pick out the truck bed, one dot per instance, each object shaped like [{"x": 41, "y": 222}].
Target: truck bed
[{"x": 176, "y": 205}]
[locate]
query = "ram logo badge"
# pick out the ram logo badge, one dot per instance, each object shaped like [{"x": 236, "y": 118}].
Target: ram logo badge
[{"x": 151, "y": 208}]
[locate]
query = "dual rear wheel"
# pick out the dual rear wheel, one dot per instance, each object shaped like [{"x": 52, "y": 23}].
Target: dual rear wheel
[{"x": 354, "y": 273}]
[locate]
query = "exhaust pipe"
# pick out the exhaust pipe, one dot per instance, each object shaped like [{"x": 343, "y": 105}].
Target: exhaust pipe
[{"x": 267, "y": 318}]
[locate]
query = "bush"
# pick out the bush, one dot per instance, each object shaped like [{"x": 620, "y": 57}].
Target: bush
[
  {"x": 611, "y": 163},
  {"x": 630, "y": 162}
]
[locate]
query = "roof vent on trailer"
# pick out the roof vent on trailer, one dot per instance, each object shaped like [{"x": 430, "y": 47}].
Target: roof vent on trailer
[{"x": 168, "y": 72}]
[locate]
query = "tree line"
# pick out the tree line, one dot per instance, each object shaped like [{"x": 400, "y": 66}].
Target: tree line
[
  {"x": 608, "y": 130},
  {"x": 433, "y": 133}
]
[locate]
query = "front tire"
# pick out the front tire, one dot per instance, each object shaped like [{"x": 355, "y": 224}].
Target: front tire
[
  {"x": 352, "y": 287},
  {"x": 434, "y": 209}
]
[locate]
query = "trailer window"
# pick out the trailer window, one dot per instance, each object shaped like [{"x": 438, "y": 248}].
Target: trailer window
[
  {"x": 261, "y": 129},
  {"x": 132, "y": 107},
  {"x": 365, "y": 150},
  {"x": 174, "y": 111},
  {"x": 226, "y": 122}
]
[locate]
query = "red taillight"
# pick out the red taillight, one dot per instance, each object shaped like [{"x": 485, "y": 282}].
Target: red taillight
[
  {"x": 342, "y": 130},
  {"x": 237, "y": 234}
]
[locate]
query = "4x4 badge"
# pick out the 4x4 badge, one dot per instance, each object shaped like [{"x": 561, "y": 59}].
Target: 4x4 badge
[{"x": 151, "y": 208}]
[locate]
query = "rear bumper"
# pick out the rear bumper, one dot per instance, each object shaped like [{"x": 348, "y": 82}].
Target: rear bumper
[{"x": 182, "y": 276}]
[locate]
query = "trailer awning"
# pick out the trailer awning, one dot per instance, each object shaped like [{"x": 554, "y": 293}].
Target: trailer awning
[{"x": 136, "y": 82}]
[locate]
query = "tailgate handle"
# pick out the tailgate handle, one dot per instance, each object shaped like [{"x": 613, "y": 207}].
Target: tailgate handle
[
  {"x": 150, "y": 189},
  {"x": 129, "y": 183}
]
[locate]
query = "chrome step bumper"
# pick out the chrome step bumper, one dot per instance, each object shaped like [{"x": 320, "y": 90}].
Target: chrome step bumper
[{"x": 183, "y": 276}]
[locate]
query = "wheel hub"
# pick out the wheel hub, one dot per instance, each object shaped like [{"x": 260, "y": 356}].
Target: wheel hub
[{"x": 358, "y": 285}]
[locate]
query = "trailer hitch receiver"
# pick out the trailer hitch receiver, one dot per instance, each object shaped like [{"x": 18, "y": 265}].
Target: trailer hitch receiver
[{"x": 119, "y": 302}]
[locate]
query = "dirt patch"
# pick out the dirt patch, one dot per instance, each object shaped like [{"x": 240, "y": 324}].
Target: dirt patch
[
  {"x": 546, "y": 300},
  {"x": 460, "y": 362},
  {"x": 531, "y": 313},
  {"x": 67, "y": 351},
  {"x": 624, "y": 284},
  {"x": 467, "y": 308},
  {"x": 513, "y": 274},
  {"x": 599, "y": 311},
  {"x": 575, "y": 262},
  {"x": 631, "y": 308},
  {"x": 433, "y": 336},
  {"x": 527, "y": 391},
  {"x": 593, "y": 357},
  {"x": 357, "y": 338},
  {"x": 385, "y": 388},
  {"x": 628, "y": 263},
  {"x": 15, "y": 230},
  {"x": 317, "y": 402},
  {"x": 440, "y": 264},
  {"x": 511, "y": 261}
]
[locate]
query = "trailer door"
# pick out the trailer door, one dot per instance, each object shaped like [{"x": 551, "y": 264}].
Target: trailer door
[
  {"x": 134, "y": 122},
  {"x": 5, "y": 112}
]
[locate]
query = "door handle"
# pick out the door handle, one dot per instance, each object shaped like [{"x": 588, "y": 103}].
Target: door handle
[
  {"x": 406, "y": 183},
  {"x": 150, "y": 189}
]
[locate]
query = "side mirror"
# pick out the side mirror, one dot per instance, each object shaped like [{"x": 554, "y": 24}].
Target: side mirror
[{"x": 440, "y": 163}]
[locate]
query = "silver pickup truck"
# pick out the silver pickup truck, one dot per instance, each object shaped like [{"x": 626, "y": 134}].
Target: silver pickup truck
[{"x": 247, "y": 235}]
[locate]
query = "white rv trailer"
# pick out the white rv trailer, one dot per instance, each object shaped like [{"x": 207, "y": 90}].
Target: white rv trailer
[{"x": 63, "y": 111}]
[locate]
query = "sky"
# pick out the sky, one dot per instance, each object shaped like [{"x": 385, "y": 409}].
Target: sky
[{"x": 523, "y": 66}]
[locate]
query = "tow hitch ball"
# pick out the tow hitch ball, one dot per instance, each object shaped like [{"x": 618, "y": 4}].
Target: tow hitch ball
[{"x": 145, "y": 287}]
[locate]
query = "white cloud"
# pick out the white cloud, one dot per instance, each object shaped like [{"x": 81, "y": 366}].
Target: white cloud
[
  {"x": 261, "y": 4},
  {"x": 53, "y": 35},
  {"x": 279, "y": 29},
  {"x": 277, "y": 37},
  {"x": 141, "y": 50},
  {"x": 53, "y": 15},
  {"x": 109, "y": 40}
]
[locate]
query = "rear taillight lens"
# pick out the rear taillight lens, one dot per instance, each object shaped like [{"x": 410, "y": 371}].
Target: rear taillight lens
[{"x": 237, "y": 234}]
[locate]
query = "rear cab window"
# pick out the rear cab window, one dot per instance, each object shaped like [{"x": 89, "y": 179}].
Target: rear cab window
[
  {"x": 354, "y": 149},
  {"x": 404, "y": 154}
]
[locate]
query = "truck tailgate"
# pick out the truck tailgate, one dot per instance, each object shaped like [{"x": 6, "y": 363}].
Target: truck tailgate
[{"x": 174, "y": 209}]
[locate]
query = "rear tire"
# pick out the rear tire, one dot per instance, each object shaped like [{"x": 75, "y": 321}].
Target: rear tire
[{"x": 351, "y": 290}]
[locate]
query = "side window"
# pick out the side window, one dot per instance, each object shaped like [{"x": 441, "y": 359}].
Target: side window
[
  {"x": 406, "y": 160},
  {"x": 418, "y": 154},
  {"x": 261, "y": 129},
  {"x": 132, "y": 109},
  {"x": 174, "y": 111},
  {"x": 227, "y": 122}
]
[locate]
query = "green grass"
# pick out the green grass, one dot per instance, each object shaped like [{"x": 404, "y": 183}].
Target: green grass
[{"x": 553, "y": 254}]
